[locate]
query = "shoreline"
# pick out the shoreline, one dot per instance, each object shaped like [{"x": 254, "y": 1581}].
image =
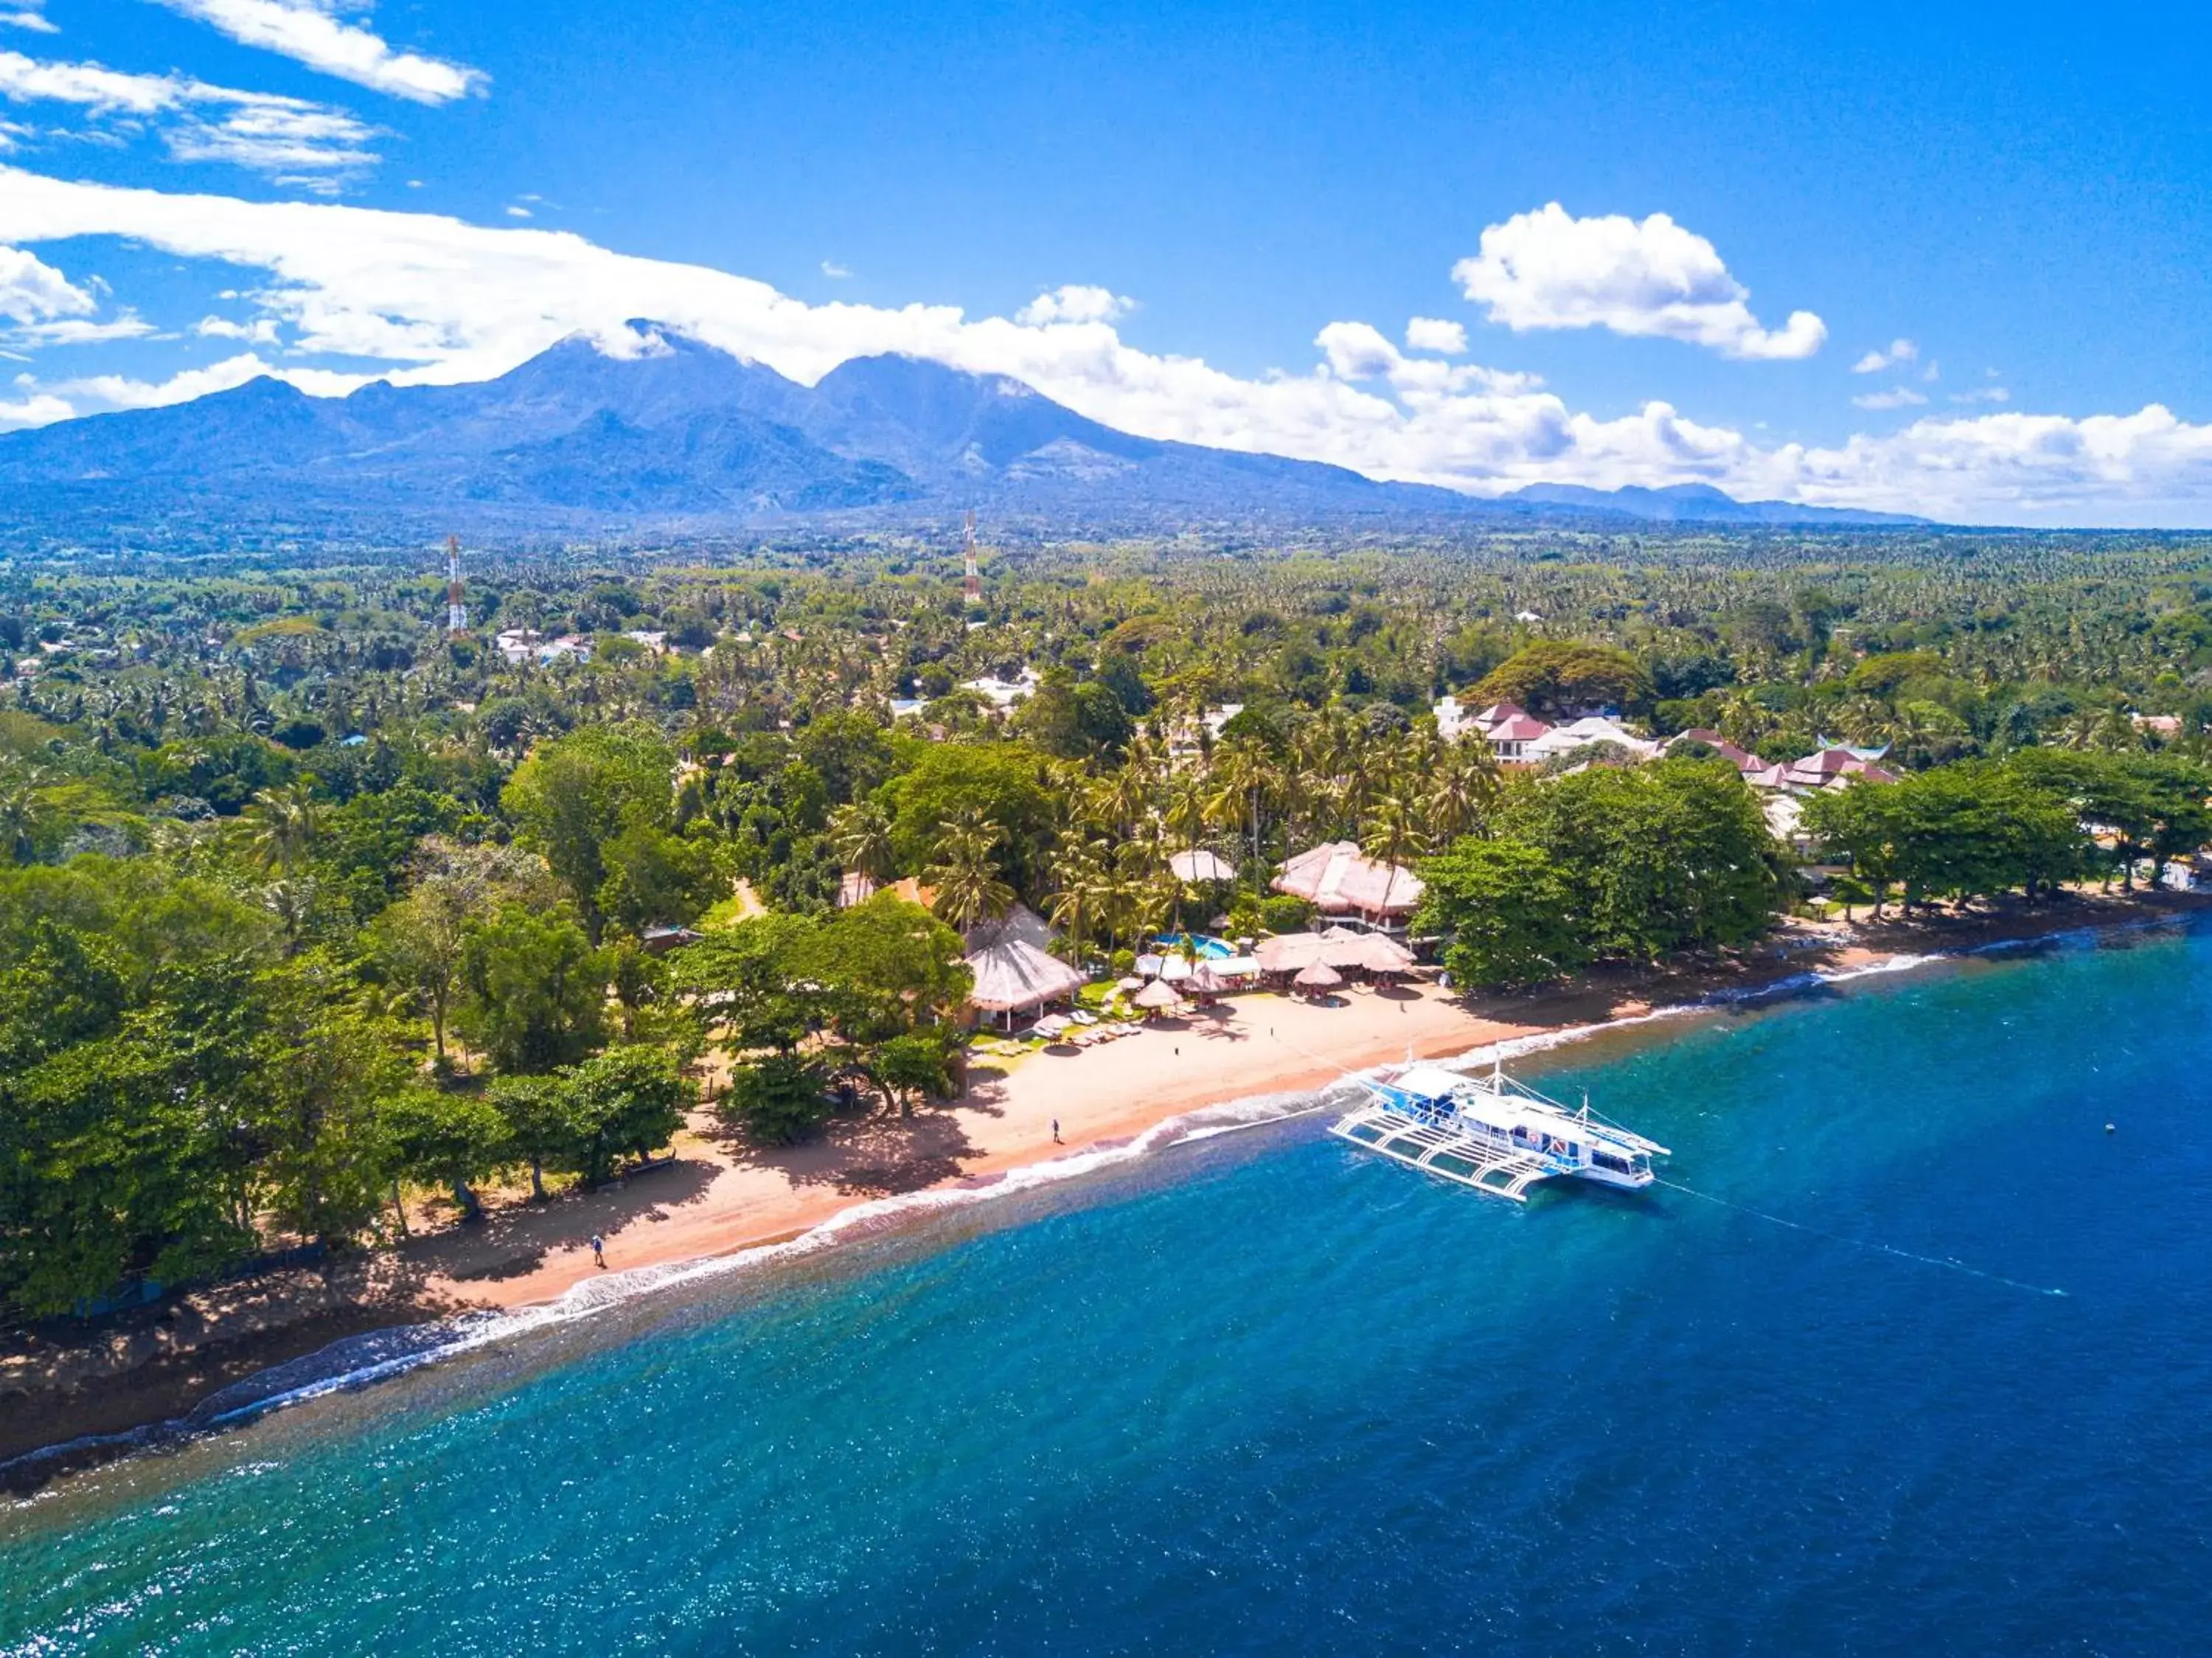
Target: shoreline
[{"x": 123, "y": 1388}]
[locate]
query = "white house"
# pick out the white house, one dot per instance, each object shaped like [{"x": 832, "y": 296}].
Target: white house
[
  {"x": 1003, "y": 694},
  {"x": 1578, "y": 733}
]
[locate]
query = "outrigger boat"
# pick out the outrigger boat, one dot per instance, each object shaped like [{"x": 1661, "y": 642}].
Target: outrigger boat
[{"x": 1491, "y": 1133}]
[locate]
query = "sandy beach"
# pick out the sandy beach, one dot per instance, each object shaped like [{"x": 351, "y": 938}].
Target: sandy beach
[{"x": 718, "y": 1196}]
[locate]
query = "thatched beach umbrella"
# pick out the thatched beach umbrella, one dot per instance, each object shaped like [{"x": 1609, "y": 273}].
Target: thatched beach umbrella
[
  {"x": 1318, "y": 977},
  {"x": 1158, "y": 997},
  {"x": 1384, "y": 955},
  {"x": 1132, "y": 983}
]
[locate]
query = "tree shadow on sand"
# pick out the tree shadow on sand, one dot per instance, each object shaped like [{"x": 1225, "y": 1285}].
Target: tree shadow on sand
[
  {"x": 875, "y": 1156},
  {"x": 513, "y": 1240}
]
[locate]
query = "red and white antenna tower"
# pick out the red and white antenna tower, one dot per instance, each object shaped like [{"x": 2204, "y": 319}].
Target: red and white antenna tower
[
  {"x": 457, "y": 612},
  {"x": 971, "y": 581}
]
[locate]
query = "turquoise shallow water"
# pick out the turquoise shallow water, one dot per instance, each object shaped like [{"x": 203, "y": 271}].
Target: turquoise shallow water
[{"x": 1265, "y": 1394}]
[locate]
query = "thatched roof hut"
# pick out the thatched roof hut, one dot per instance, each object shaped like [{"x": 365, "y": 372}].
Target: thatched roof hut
[
  {"x": 1337, "y": 878},
  {"x": 1198, "y": 866},
  {"x": 1320, "y": 976},
  {"x": 1013, "y": 970}
]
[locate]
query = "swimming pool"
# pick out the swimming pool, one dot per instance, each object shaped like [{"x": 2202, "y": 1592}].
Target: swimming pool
[{"x": 1212, "y": 949}]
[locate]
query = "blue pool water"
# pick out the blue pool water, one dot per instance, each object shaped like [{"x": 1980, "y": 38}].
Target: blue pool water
[
  {"x": 1265, "y": 1394},
  {"x": 1215, "y": 949}
]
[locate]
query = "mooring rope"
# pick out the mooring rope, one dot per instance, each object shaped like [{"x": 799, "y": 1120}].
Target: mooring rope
[{"x": 1944, "y": 1261}]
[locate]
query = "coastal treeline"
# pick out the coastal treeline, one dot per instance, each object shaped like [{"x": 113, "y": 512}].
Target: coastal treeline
[{"x": 312, "y": 912}]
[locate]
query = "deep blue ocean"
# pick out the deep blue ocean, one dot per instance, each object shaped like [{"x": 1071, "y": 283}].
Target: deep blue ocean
[{"x": 1265, "y": 1394}]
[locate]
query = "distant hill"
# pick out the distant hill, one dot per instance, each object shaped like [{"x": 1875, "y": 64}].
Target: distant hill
[
  {"x": 1698, "y": 503},
  {"x": 682, "y": 435}
]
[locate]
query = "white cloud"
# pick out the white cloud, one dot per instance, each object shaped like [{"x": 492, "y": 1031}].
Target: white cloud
[
  {"x": 836, "y": 272},
  {"x": 516, "y": 211},
  {"x": 1648, "y": 278},
  {"x": 1435, "y": 334},
  {"x": 1983, "y": 394},
  {"x": 1359, "y": 351},
  {"x": 439, "y": 300},
  {"x": 35, "y": 408},
  {"x": 27, "y": 17},
  {"x": 260, "y": 131},
  {"x": 262, "y": 331},
  {"x": 32, "y": 291},
  {"x": 80, "y": 331},
  {"x": 1900, "y": 350},
  {"x": 307, "y": 32},
  {"x": 107, "y": 394},
  {"x": 1900, "y": 396},
  {"x": 1074, "y": 303},
  {"x": 86, "y": 85},
  {"x": 2144, "y": 468}
]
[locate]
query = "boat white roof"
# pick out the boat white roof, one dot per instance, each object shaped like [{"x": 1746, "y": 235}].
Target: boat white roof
[
  {"x": 1511, "y": 1105},
  {"x": 1429, "y": 1081}
]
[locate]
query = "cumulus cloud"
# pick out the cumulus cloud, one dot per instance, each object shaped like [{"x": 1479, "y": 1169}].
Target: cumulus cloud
[
  {"x": 262, "y": 331},
  {"x": 836, "y": 272},
  {"x": 1435, "y": 334},
  {"x": 31, "y": 291},
  {"x": 296, "y": 138},
  {"x": 310, "y": 32},
  {"x": 1897, "y": 397},
  {"x": 1359, "y": 351},
  {"x": 27, "y": 17},
  {"x": 2146, "y": 467},
  {"x": 1074, "y": 303},
  {"x": 436, "y": 299},
  {"x": 1646, "y": 278},
  {"x": 1900, "y": 350}
]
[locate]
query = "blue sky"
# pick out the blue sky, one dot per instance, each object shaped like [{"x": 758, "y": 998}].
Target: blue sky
[{"x": 1247, "y": 204}]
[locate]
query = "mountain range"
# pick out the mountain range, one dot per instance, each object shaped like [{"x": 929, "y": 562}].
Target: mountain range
[{"x": 682, "y": 435}]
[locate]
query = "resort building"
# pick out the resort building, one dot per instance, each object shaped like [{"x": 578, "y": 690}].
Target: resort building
[
  {"x": 1580, "y": 734},
  {"x": 1508, "y": 729},
  {"x": 1742, "y": 758},
  {"x": 519, "y": 644},
  {"x": 1003, "y": 694},
  {"x": 1339, "y": 949},
  {"x": 1338, "y": 879},
  {"x": 1188, "y": 738},
  {"x": 1833, "y": 766},
  {"x": 1015, "y": 971}
]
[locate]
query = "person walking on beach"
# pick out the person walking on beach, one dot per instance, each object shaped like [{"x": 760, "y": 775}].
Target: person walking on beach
[
  {"x": 1055, "y": 1130},
  {"x": 598, "y": 1250}
]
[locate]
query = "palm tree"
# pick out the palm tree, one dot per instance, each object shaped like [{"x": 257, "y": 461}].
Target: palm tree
[
  {"x": 1244, "y": 776},
  {"x": 860, "y": 835},
  {"x": 1395, "y": 829},
  {"x": 1462, "y": 788},
  {"x": 24, "y": 812},
  {"x": 1185, "y": 811},
  {"x": 281, "y": 825},
  {"x": 1085, "y": 894},
  {"x": 966, "y": 874}
]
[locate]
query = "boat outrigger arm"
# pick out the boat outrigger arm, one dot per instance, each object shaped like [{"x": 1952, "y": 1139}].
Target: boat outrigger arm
[{"x": 1491, "y": 1133}]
